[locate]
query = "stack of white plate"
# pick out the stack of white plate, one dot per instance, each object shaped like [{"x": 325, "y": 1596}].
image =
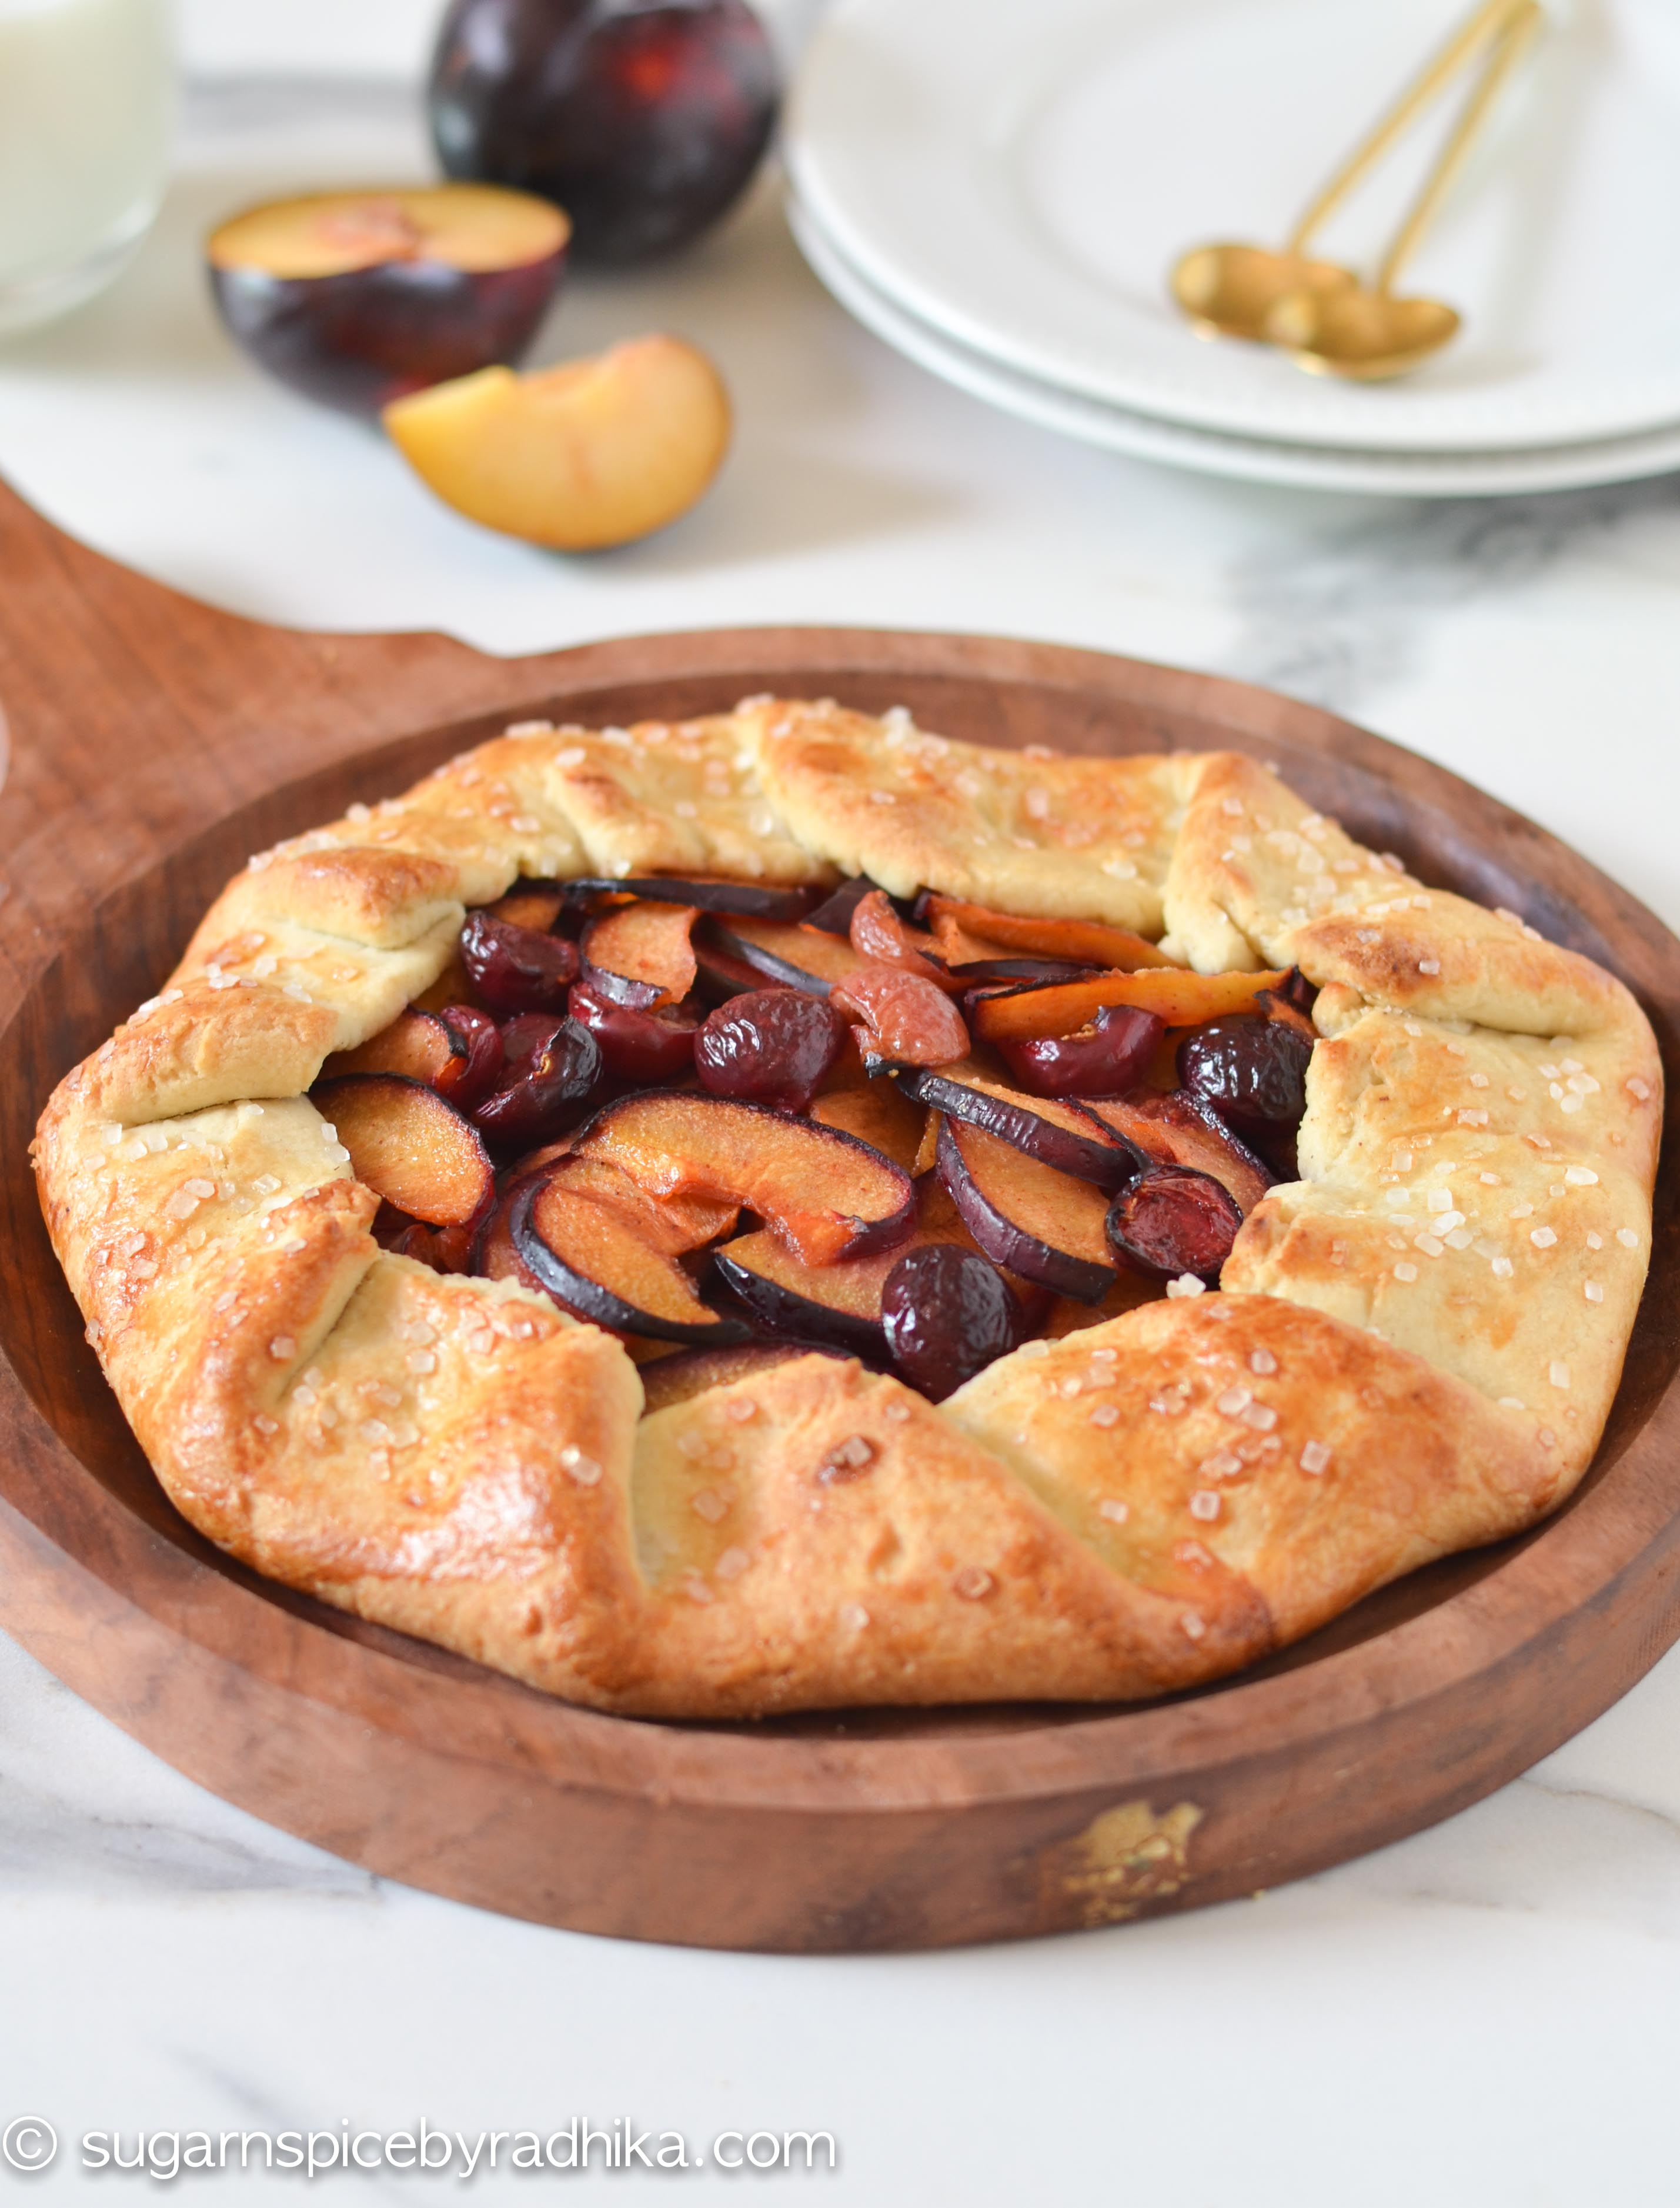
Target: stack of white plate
[{"x": 999, "y": 191}]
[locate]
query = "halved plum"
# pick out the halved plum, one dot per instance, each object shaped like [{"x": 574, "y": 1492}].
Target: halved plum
[
  {"x": 947, "y": 1313},
  {"x": 687, "y": 1373},
  {"x": 1177, "y": 1128},
  {"x": 514, "y": 968},
  {"x": 639, "y": 954},
  {"x": 547, "y": 1089},
  {"x": 1079, "y": 942},
  {"x": 1171, "y": 1221},
  {"x": 772, "y": 1047},
  {"x": 827, "y": 1194},
  {"x": 408, "y": 1145},
  {"x": 707, "y": 892},
  {"x": 802, "y": 958},
  {"x": 597, "y": 1258},
  {"x": 1107, "y": 1058},
  {"x": 1053, "y": 1133},
  {"x": 1040, "y": 1223},
  {"x": 1176, "y": 996},
  {"x": 906, "y": 1020},
  {"x": 641, "y": 1047}
]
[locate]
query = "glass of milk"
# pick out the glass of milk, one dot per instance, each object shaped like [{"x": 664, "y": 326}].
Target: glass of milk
[{"x": 86, "y": 109}]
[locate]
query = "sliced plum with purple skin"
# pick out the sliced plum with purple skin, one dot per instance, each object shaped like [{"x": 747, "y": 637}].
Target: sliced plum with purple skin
[
  {"x": 707, "y": 892},
  {"x": 409, "y": 1146},
  {"x": 457, "y": 1051},
  {"x": 837, "y": 1304},
  {"x": 1106, "y": 1059},
  {"x": 1252, "y": 1071},
  {"x": 548, "y": 1091},
  {"x": 599, "y": 1259},
  {"x": 719, "y": 975},
  {"x": 1171, "y": 1220},
  {"x": 833, "y": 916},
  {"x": 687, "y": 1373},
  {"x": 514, "y": 968},
  {"x": 827, "y": 1195},
  {"x": 1053, "y": 1133},
  {"x": 642, "y": 1048},
  {"x": 641, "y": 955},
  {"x": 1078, "y": 943},
  {"x": 774, "y": 1047},
  {"x": 1040, "y": 1223},
  {"x": 947, "y": 1313},
  {"x": 1173, "y": 1127},
  {"x": 801, "y": 957},
  {"x": 879, "y": 1113}
]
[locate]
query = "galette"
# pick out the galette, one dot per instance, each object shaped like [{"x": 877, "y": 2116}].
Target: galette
[{"x": 787, "y": 1210}]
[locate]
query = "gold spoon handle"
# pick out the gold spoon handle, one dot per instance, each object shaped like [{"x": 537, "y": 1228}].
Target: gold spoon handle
[
  {"x": 1517, "y": 32},
  {"x": 1491, "y": 18}
]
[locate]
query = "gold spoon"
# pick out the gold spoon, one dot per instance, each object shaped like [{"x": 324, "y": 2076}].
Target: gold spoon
[
  {"x": 1229, "y": 289},
  {"x": 1367, "y": 333}
]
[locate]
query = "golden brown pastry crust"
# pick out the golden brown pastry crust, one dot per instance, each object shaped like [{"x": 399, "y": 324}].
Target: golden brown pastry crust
[{"x": 1416, "y": 1349}]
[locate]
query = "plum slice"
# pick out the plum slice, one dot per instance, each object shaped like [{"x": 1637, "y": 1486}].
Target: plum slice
[
  {"x": 707, "y": 892},
  {"x": 1171, "y": 1221},
  {"x": 838, "y": 1305},
  {"x": 1040, "y": 1223},
  {"x": 1053, "y": 1133},
  {"x": 828, "y": 1196},
  {"x": 1177, "y": 1128},
  {"x": 639, "y": 954},
  {"x": 514, "y": 968},
  {"x": 356, "y": 297},
  {"x": 1177, "y": 997},
  {"x": 408, "y": 1145},
  {"x": 879, "y": 935},
  {"x": 833, "y": 916},
  {"x": 416, "y": 1045},
  {"x": 679, "y": 1377},
  {"x": 532, "y": 904},
  {"x": 802, "y": 958},
  {"x": 947, "y": 1313},
  {"x": 879, "y": 1113},
  {"x": 1107, "y": 1058},
  {"x": 906, "y": 1019},
  {"x": 553, "y": 1076},
  {"x": 772, "y": 1047},
  {"x": 1078, "y": 942},
  {"x": 598, "y": 1259},
  {"x": 720, "y": 975}
]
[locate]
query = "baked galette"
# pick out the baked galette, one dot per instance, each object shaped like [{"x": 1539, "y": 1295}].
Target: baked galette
[{"x": 785, "y": 1210}]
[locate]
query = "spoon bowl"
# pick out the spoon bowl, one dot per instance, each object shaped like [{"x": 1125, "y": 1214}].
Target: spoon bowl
[
  {"x": 1366, "y": 335},
  {"x": 1229, "y": 291}
]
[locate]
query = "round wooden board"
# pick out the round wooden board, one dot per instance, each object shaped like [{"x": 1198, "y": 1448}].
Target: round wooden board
[{"x": 157, "y": 743}]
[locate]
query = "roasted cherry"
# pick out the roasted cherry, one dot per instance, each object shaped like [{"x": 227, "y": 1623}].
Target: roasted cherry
[
  {"x": 636, "y": 1047},
  {"x": 514, "y": 968},
  {"x": 947, "y": 1313},
  {"x": 1171, "y": 1221},
  {"x": 548, "y": 1091},
  {"x": 527, "y": 1033},
  {"x": 645, "y": 122},
  {"x": 774, "y": 1047},
  {"x": 477, "y": 1034},
  {"x": 1253, "y": 1072},
  {"x": 1103, "y": 1060}
]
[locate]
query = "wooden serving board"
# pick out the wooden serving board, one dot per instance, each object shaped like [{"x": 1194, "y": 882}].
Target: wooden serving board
[{"x": 156, "y": 743}]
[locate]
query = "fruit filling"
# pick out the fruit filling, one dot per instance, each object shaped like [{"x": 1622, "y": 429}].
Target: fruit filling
[{"x": 730, "y": 1125}]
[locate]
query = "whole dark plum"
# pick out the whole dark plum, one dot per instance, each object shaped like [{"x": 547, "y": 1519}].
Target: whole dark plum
[
  {"x": 644, "y": 119},
  {"x": 948, "y": 1312}
]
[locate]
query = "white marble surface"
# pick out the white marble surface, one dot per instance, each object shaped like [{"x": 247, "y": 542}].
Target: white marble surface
[{"x": 1487, "y": 2014}]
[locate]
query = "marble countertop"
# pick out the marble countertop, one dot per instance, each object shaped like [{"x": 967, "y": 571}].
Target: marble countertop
[{"x": 1487, "y": 2013}]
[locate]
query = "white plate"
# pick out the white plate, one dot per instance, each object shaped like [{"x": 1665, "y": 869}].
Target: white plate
[
  {"x": 1023, "y": 179},
  {"x": 1404, "y": 475}
]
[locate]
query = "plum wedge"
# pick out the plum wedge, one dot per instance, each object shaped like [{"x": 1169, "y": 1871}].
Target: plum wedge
[
  {"x": 1176, "y": 1129},
  {"x": 1056, "y": 1134},
  {"x": 707, "y": 892},
  {"x": 1177, "y": 998},
  {"x": 799, "y": 958},
  {"x": 829, "y": 1196},
  {"x": 601, "y": 1257},
  {"x": 456, "y": 1050},
  {"x": 1080, "y": 942},
  {"x": 408, "y": 1145},
  {"x": 639, "y": 955},
  {"x": 880, "y": 1114},
  {"x": 1040, "y": 1223}
]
